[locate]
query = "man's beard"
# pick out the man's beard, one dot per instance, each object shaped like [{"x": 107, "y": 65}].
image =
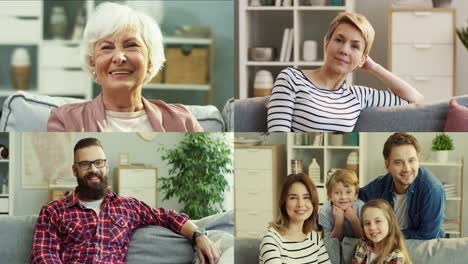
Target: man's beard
[{"x": 91, "y": 191}]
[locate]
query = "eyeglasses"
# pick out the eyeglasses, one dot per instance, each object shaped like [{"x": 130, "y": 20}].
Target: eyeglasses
[{"x": 86, "y": 165}]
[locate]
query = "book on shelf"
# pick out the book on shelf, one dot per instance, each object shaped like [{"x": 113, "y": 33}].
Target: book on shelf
[
  {"x": 289, "y": 45},
  {"x": 317, "y": 138},
  {"x": 284, "y": 43}
]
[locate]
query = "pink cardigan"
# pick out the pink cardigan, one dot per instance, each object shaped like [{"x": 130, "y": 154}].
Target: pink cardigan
[{"x": 91, "y": 117}]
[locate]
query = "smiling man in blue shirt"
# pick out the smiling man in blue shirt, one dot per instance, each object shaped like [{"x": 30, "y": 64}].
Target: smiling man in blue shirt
[{"x": 417, "y": 196}]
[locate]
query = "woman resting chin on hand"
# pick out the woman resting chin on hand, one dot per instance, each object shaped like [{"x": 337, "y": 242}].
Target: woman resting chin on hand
[
  {"x": 122, "y": 51},
  {"x": 319, "y": 100}
]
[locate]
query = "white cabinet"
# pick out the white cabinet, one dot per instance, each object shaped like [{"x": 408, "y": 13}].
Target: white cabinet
[
  {"x": 451, "y": 175},
  {"x": 331, "y": 151},
  {"x": 263, "y": 26},
  {"x": 139, "y": 183},
  {"x": 422, "y": 49},
  {"x": 258, "y": 174},
  {"x": 6, "y": 179},
  {"x": 55, "y": 67}
]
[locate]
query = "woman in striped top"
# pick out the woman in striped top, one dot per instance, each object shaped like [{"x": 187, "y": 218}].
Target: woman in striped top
[
  {"x": 319, "y": 100},
  {"x": 291, "y": 238}
]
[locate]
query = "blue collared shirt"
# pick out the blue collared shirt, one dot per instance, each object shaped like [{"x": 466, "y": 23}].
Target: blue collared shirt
[{"x": 425, "y": 203}]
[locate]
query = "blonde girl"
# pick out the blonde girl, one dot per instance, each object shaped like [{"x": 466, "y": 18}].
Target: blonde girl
[{"x": 384, "y": 243}]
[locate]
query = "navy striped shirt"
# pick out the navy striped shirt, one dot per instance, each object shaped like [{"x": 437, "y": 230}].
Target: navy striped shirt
[
  {"x": 275, "y": 249},
  {"x": 299, "y": 105}
]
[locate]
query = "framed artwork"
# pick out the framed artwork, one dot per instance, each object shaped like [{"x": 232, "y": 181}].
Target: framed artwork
[{"x": 46, "y": 157}]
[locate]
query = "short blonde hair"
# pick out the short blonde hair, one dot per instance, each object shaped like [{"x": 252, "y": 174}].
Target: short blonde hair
[
  {"x": 360, "y": 22},
  {"x": 346, "y": 177},
  {"x": 109, "y": 18}
]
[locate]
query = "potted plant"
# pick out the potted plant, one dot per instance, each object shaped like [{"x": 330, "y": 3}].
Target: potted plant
[
  {"x": 463, "y": 36},
  {"x": 441, "y": 145},
  {"x": 197, "y": 168}
]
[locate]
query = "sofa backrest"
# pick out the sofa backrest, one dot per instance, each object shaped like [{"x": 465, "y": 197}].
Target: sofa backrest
[
  {"x": 16, "y": 238},
  {"x": 27, "y": 112},
  {"x": 251, "y": 116}
]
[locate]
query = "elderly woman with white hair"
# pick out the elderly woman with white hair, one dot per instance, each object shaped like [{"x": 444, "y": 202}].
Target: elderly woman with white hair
[{"x": 122, "y": 49}]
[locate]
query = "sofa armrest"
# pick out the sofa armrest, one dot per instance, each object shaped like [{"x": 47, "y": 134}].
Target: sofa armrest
[{"x": 250, "y": 115}]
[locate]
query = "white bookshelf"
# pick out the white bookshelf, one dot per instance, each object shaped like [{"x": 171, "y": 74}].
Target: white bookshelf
[
  {"x": 328, "y": 156},
  {"x": 451, "y": 172},
  {"x": 263, "y": 26}
]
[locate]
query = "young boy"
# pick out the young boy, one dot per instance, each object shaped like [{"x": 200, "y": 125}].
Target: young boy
[{"x": 339, "y": 216}]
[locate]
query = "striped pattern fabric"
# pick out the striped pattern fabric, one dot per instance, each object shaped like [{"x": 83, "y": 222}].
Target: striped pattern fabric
[
  {"x": 276, "y": 249},
  {"x": 67, "y": 232},
  {"x": 296, "y": 104}
]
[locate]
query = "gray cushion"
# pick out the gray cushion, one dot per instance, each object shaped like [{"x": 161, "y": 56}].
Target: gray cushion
[
  {"x": 228, "y": 115},
  {"x": 251, "y": 116},
  {"x": 348, "y": 247},
  {"x": 333, "y": 249},
  {"x": 26, "y": 112},
  {"x": 16, "y": 238},
  {"x": 246, "y": 250}
]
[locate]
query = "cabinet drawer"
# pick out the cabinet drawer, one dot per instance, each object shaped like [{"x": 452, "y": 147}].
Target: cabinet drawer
[
  {"x": 433, "y": 88},
  {"x": 253, "y": 221},
  {"x": 17, "y": 30},
  {"x": 146, "y": 195},
  {"x": 253, "y": 159},
  {"x": 56, "y": 55},
  {"x": 137, "y": 178},
  {"x": 422, "y": 27},
  {"x": 422, "y": 59},
  {"x": 4, "y": 205},
  {"x": 20, "y": 8},
  {"x": 64, "y": 82},
  {"x": 254, "y": 200},
  {"x": 259, "y": 179}
]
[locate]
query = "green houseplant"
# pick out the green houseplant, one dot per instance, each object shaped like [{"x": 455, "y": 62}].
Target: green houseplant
[
  {"x": 441, "y": 145},
  {"x": 463, "y": 36},
  {"x": 197, "y": 168}
]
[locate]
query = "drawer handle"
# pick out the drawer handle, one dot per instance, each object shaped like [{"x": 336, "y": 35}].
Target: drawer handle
[
  {"x": 252, "y": 213},
  {"x": 72, "y": 69},
  {"x": 252, "y": 192},
  {"x": 420, "y": 79},
  {"x": 420, "y": 14},
  {"x": 422, "y": 46}
]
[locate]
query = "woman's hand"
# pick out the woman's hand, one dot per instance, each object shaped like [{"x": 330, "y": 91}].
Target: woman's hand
[{"x": 368, "y": 65}]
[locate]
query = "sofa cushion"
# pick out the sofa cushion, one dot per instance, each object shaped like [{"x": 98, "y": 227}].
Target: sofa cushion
[
  {"x": 457, "y": 118},
  {"x": 228, "y": 114},
  {"x": 16, "y": 238},
  {"x": 251, "y": 114},
  {"x": 27, "y": 112}
]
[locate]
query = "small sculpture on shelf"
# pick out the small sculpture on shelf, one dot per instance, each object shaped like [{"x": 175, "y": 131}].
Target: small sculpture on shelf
[
  {"x": 314, "y": 171},
  {"x": 20, "y": 69},
  {"x": 58, "y": 23}
]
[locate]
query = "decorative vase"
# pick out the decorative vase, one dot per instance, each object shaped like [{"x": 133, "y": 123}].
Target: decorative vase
[
  {"x": 20, "y": 69},
  {"x": 263, "y": 83},
  {"x": 314, "y": 171},
  {"x": 309, "y": 52},
  {"x": 58, "y": 22},
  {"x": 352, "y": 162},
  {"x": 441, "y": 155}
]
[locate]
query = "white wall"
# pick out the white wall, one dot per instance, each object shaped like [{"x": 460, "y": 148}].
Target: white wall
[
  {"x": 375, "y": 161},
  {"x": 29, "y": 201},
  {"x": 377, "y": 13}
]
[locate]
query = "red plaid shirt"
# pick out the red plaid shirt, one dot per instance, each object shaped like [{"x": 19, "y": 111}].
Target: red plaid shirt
[{"x": 68, "y": 232}]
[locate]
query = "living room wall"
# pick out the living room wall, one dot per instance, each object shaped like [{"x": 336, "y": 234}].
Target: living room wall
[{"x": 29, "y": 201}]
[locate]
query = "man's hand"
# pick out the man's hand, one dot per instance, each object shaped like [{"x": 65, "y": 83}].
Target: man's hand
[
  {"x": 206, "y": 248},
  {"x": 338, "y": 214}
]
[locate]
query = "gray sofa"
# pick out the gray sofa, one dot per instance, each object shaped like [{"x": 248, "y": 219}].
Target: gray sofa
[
  {"x": 150, "y": 244},
  {"x": 436, "y": 251},
  {"x": 251, "y": 115},
  {"x": 27, "y": 112}
]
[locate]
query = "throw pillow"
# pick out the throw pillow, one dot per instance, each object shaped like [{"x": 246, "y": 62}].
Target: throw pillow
[{"x": 457, "y": 118}]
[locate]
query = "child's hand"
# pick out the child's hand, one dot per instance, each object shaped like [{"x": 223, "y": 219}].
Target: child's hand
[
  {"x": 350, "y": 214},
  {"x": 338, "y": 214}
]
